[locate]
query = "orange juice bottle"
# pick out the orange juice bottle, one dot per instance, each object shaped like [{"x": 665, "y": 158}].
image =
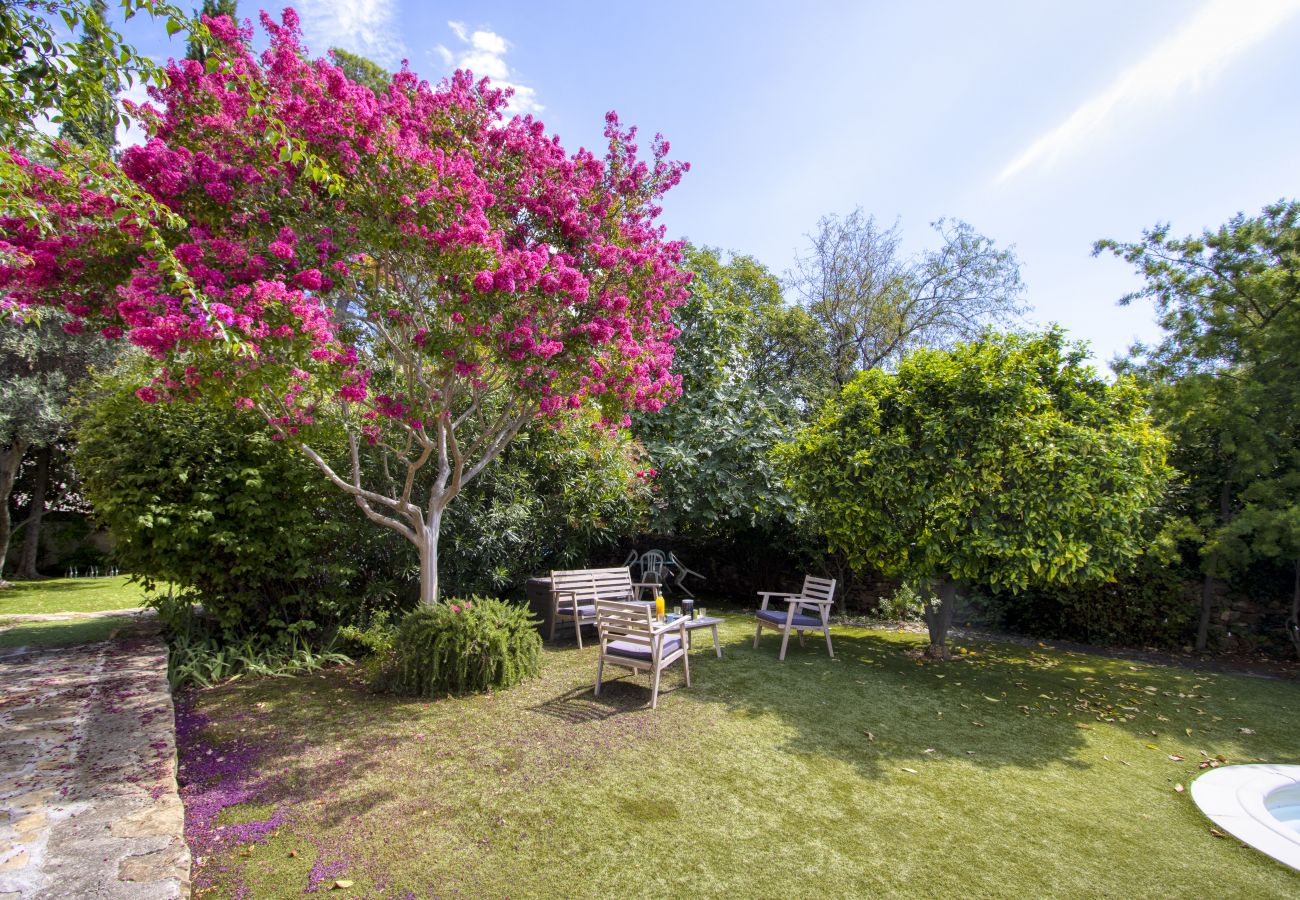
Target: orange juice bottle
[{"x": 659, "y": 605}]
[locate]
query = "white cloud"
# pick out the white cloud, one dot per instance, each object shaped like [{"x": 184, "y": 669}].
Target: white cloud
[
  {"x": 1187, "y": 59},
  {"x": 484, "y": 54},
  {"x": 368, "y": 27}
]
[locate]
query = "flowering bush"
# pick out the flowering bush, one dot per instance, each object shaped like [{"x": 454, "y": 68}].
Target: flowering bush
[
  {"x": 462, "y": 645},
  {"x": 455, "y": 276}
]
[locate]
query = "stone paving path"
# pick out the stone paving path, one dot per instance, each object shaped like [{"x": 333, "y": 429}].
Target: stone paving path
[{"x": 88, "y": 801}]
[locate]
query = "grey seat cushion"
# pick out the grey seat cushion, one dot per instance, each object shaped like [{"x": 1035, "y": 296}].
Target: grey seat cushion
[
  {"x": 587, "y": 612},
  {"x": 777, "y": 617},
  {"x": 641, "y": 651}
]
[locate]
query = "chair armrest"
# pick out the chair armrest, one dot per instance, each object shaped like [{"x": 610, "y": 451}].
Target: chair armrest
[
  {"x": 659, "y": 629},
  {"x": 811, "y": 602},
  {"x": 768, "y": 595}
]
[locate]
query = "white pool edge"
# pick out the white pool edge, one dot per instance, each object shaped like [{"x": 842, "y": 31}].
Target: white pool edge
[{"x": 1233, "y": 798}]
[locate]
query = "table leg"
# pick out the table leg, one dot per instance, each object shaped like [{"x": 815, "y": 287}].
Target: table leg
[{"x": 717, "y": 648}]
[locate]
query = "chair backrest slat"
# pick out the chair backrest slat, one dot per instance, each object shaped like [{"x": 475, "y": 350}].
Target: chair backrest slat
[
  {"x": 818, "y": 588},
  {"x": 624, "y": 621}
]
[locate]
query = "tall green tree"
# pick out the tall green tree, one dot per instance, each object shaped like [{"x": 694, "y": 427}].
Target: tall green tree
[
  {"x": 1006, "y": 461},
  {"x": 750, "y": 367},
  {"x": 56, "y": 357},
  {"x": 95, "y": 125},
  {"x": 876, "y": 303},
  {"x": 1225, "y": 378},
  {"x": 39, "y": 364}
]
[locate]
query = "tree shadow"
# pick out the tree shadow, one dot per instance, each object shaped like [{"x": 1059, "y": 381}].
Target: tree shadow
[{"x": 876, "y": 707}]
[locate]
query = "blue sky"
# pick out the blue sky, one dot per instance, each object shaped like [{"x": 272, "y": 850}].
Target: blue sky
[{"x": 1044, "y": 125}]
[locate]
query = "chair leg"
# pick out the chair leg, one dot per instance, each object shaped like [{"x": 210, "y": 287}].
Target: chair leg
[
  {"x": 800, "y": 634},
  {"x": 555, "y": 620},
  {"x": 686, "y": 664},
  {"x": 717, "y": 648},
  {"x": 654, "y": 691},
  {"x": 600, "y": 674},
  {"x": 785, "y": 639},
  {"x": 757, "y": 632},
  {"x": 829, "y": 648},
  {"x": 577, "y": 626}
]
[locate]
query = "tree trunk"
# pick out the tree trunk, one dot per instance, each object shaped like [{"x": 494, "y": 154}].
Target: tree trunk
[
  {"x": 10, "y": 459},
  {"x": 32, "y": 539},
  {"x": 1207, "y": 586},
  {"x": 429, "y": 559},
  {"x": 938, "y": 616}
]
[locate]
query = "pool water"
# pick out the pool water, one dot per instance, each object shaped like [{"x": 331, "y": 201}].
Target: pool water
[{"x": 1283, "y": 804}]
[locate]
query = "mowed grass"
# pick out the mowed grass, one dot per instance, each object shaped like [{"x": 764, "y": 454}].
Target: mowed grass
[
  {"x": 1007, "y": 772},
  {"x": 58, "y": 595},
  {"x": 64, "y": 633}
]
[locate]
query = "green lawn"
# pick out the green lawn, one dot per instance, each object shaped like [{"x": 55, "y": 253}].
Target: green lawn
[
  {"x": 1007, "y": 772},
  {"x": 61, "y": 634},
  {"x": 56, "y": 595}
]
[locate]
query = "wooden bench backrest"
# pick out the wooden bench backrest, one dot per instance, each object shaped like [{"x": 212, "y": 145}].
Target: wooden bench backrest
[{"x": 586, "y": 586}]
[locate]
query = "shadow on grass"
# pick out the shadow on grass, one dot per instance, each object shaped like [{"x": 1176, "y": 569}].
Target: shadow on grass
[
  {"x": 622, "y": 693},
  {"x": 875, "y": 707}
]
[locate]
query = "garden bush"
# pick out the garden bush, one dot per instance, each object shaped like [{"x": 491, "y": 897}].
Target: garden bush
[
  {"x": 201, "y": 653},
  {"x": 461, "y": 646},
  {"x": 200, "y": 496},
  {"x": 1149, "y": 608}
]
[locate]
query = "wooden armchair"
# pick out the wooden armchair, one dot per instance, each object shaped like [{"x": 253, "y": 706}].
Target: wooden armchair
[
  {"x": 629, "y": 637},
  {"x": 817, "y": 598}
]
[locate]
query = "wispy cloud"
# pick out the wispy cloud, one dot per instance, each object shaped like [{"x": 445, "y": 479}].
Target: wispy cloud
[
  {"x": 1187, "y": 59},
  {"x": 484, "y": 54},
  {"x": 368, "y": 27}
]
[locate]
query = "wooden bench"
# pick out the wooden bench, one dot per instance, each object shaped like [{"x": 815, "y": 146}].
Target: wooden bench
[{"x": 574, "y": 593}]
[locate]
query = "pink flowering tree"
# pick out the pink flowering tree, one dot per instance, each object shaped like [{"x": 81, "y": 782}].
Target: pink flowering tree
[{"x": 413, "y": 268}]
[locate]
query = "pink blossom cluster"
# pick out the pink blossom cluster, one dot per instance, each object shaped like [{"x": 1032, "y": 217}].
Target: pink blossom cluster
[{"x": 472, "y": 247}]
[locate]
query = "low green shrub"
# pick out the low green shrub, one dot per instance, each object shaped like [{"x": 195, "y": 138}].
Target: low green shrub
[
  {"x": 903, "y": 605},
  {"x": 201, "y": 653},
  {"x": 460, "y": 646}
]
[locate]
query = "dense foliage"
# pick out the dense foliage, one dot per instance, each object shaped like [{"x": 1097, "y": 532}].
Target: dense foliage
[
  {"x": 1148, "y": 607},
  {"x": 751, "y": 368},
  {"x": 203, "y": 498},
  {"x": 556, "y": 498},
  {"x": 40, "y": 363},
  {"x": 1225, "y": 378},
  {"x": 1005, "y": 461},
  {"x": 460, "y": 646}
]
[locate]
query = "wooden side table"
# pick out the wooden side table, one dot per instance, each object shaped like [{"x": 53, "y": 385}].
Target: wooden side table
[{"x": 706, "y": 622}]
